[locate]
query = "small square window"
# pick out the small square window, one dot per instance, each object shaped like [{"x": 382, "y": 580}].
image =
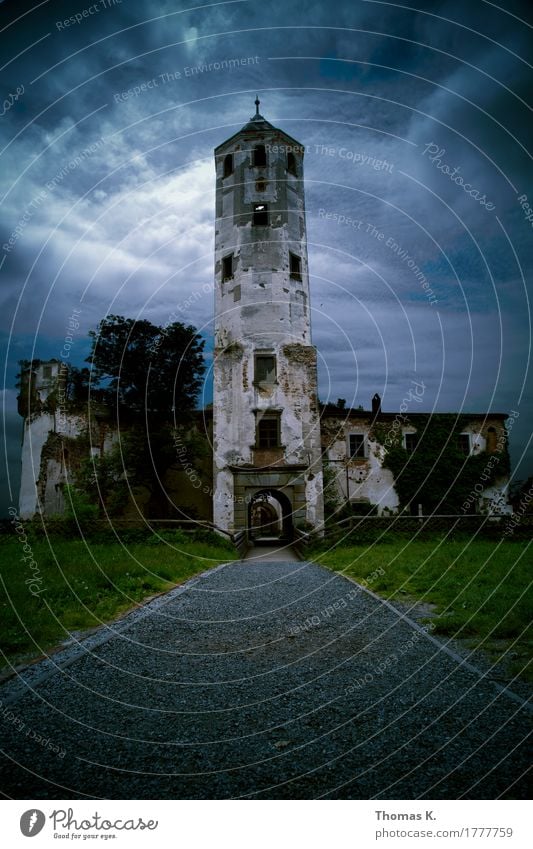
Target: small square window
[
  {"x": 295, "y": 265},
  {"x": 410, "y": 441},
  {"x": 260, "y": 186},
  {"x": 463, "y": 443},
  {"x": 227, "y": 267},
  {"x": 357, "y": 445},
  {"x": 268, "y": 432},
  {"x": 265, "y": 368},
  {"x": 259, "y": 157},
  {"x": 260, "y": 215},
  {"x": 47, "y": 372}
]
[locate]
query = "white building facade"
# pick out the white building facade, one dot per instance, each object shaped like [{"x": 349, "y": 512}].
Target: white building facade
[{"x": 266, "y": 438}]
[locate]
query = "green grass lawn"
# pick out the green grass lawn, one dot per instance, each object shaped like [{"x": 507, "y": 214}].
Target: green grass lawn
[
  {"x": 80, "y": 585},
  {"x": 481, "y": 589}
]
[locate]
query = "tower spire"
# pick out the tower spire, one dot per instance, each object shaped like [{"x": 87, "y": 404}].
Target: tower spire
[{"x": 257, "y": 102}]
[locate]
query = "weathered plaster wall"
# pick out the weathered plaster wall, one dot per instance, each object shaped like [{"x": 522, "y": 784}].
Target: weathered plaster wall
[
  {"x": 263, "y": 309},
  {"x": 358, "y": 479},
  {"x": 365, "y": 480}
]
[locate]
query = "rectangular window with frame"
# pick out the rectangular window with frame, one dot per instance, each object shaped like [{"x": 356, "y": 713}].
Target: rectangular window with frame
[
  {"x": 268, "y": 431},
  {"x": 295, "y": 266},
  {"x": 260, "y": 215},
  {"x": 47, "y": 372},
  {"x": 227, "y": 267},
  {"x": 265, "y": 368},
  {"x": 357, "y": 445}
]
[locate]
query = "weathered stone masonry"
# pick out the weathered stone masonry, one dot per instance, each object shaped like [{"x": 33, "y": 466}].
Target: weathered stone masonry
[{"x": 266, "y": 422}]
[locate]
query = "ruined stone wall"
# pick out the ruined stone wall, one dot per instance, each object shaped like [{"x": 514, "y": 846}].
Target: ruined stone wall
[
  {"x": 54, "y": 445},
  {"x": 359, "y": 479}
]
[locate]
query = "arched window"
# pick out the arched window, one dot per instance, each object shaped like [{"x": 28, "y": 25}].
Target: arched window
[
  {"x": 291, "y": 163},
  {"x": 259, "y": 159},
  {"x": 228, "y": 165},
  {"x": 492, "y": 440}
]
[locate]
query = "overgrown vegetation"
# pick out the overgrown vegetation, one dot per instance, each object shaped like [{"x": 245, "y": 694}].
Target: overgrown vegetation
[
  {"x": 481, "y": 590},
  {"x": 437, "y": 474},
  {"x": 144, "y": 380},
  {"x": 82, "y": 584},
  {"x": 332, "y": 500}
]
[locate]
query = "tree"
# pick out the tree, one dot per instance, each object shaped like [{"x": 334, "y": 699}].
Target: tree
[
  {"x": 145, "y": 369},
  {"x": 152, "y": 376}
]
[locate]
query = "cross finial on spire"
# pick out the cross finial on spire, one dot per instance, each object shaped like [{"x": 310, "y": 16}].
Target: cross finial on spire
[{"x": 257, "y": 102}]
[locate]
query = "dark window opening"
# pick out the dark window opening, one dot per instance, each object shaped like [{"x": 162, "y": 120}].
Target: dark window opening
[
  {"x": 260, "y": 186},
  {"x": 268, "y": 432},
  {"x": 265, "y": 368},
  {"x": 228, "y": 165},
  {"x": 411, "y": 441},
  {"x": 357, "y": 445},
  {"x": 47, "y": 372},
  {"x": 260, "y": 216},
  {"x": 227, "y": 267},
  {"x": 291, "y": 163},
  {"x": 463, "y": 443},
  {"x": 492, "y": 440},
  {"x": 260, "y": 159},
  {"x": 295, "y": 264}
]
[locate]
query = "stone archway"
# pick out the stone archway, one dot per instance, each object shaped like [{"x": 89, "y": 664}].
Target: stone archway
[{"x": 270, "y": 516}]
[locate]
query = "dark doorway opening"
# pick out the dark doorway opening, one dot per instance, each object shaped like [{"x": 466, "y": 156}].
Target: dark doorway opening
[{"x": 270, "y": 517}]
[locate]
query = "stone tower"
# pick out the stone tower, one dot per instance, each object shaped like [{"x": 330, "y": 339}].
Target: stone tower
[{"x": 267, "y": 461}]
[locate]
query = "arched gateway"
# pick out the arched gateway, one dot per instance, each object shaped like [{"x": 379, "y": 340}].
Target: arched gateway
[{"x": 270, "y": 517}]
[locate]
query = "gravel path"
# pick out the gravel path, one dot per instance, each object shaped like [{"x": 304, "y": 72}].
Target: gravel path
[{"x": 263, "y": 680}]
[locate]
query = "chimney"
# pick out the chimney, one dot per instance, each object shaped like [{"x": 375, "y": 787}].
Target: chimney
[{"x": 376, "y": 405}]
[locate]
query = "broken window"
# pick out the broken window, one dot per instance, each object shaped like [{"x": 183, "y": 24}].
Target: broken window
[
  {"x": 227, "y": 267},
  {"x": 291, "y": 163},
  {"x": 260, "y": 216},
  {"x": 228, "y": 165},
  {"x": 463, "y": 443},
  {"x": 357, "y": 445},
  {"x": 265, "y": 368},
  {"x": 268, "y": 431},
  {"x": 295, "y": 265},
  {"x": 410, "y": 442},
  {"x": 259, "y": 158}
]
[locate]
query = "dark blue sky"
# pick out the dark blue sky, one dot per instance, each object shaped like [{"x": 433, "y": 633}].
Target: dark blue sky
[{"x": 417, "y": 126}]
